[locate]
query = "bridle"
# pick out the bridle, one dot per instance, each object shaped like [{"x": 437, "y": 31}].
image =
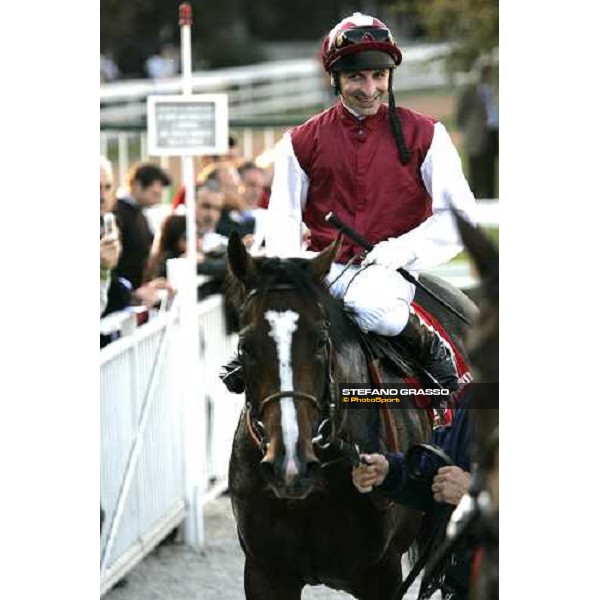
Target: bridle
[{"x": 327, "y": 431}]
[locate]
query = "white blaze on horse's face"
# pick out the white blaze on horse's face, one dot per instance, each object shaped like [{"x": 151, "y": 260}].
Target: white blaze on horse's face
[{"x": 283, "y": 324}]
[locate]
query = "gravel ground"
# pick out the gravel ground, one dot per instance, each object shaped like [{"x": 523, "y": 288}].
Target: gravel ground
[{"x": 173, "y": 572}]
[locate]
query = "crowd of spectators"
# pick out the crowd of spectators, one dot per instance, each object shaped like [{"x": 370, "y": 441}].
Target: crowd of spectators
[
  {"x": 125, "y": 242},
  {"x": 231, "y": 194}
]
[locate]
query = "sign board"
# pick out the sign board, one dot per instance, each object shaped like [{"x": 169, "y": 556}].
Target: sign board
[{"x": 187, "y": 125}]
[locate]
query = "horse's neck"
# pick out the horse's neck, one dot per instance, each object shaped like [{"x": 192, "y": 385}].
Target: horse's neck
[
  {"x": 363, "y": 426},
  {"x": 350, "y": 364}
]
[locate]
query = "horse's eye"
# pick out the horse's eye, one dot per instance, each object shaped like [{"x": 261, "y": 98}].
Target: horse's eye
[
  {"x": 323, "y": 341},
  {"x": 243, "y": 347}
]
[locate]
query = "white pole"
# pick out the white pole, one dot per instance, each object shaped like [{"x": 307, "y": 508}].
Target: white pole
[
  {"x": 104, "y": 144},
  {"x": 248, "y": 143},
  {"x": 194, "y": 424},
  {"x": 269, "y": 138},
  {"x": 143, "y": 146},
  {"x": 123, "y": 159}
]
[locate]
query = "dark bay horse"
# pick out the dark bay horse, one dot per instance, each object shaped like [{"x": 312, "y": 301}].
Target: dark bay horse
[
  {"x": 474, "y": 525},
  {"x": 483, "y": 345},
  {"x": 300, "y": 520}
]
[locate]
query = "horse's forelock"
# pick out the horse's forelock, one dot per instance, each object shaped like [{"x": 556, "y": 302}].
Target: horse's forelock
[
  {"x": 271, "y": 272},
  {"x": 296, "y": 272}
]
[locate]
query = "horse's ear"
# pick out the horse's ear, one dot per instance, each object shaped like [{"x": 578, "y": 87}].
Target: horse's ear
[
  {"x": 481, "y": 249},
  {"x": 320, "y": 265},
  {"x": 241, "y": 264}
]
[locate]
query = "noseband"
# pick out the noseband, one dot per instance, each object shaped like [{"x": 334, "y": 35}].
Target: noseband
[
  {"x": 326, "y": 431},
  {"x": 291, "y": 394}
]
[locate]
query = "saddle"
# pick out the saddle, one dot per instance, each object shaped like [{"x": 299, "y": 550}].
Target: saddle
[
  {"x": 387, "y": 349},
  {"x": 379, "y": 347},
  {"x": 383, "y": 350}
]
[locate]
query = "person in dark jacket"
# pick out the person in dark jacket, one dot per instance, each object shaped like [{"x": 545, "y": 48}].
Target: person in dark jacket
[
  {"x": 146, "y": 183},
  {"x": 389, "y": 472},
  {"x": 438, "y": 490},
  {"x": 478, "y": 117}
]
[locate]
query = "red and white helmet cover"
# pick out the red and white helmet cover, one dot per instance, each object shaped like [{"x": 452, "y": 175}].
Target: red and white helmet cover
[{"x": 332, "y": 51}]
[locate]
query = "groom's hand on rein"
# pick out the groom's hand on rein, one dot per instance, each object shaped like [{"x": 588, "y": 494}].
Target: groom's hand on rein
[
  {"x": 370, "y": 473},
  {"x": 450, "y": 484}
]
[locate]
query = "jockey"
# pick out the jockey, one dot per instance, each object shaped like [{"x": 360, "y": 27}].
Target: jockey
[{"x": 390, "y": 173}]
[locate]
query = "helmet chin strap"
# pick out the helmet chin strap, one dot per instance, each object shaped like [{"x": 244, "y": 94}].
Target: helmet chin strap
[
  {"x": 336, "y": 83},
  {"x": 403, "y": 152}
]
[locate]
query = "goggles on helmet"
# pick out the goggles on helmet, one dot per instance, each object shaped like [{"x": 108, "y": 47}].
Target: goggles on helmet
[{"x": 362, "y": 34}]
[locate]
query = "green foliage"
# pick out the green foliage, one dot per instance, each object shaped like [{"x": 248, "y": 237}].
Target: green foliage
[{"x": 471, "y": 24}]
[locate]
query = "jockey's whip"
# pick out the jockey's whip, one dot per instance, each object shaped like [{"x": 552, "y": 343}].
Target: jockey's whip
[{"x": 359, "y": 239}]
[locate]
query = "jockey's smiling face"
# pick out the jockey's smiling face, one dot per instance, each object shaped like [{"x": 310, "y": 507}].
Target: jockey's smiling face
[{"x": 363, "y": 91}]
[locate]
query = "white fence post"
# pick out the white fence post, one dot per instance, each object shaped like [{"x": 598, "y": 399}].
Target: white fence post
[
  {"x": 269, "y": 138},
  {"x": 194, "y": 410},
  {"x": 123, "y": 158},
  {"x": 248, "y": 143},
  {"x": 104, "y": 143}
]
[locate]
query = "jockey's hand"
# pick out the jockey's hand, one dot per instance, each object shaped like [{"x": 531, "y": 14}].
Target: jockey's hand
[
  {"x": 366, "y": 476},
  {"x": 450, "y": 484},
  {"x": 393, "y": 253}
]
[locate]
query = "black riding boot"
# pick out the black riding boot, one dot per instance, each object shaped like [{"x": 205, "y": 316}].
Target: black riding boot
[
  {"x": 429, "y": 350},
  {"x": 233, "y": 376}
]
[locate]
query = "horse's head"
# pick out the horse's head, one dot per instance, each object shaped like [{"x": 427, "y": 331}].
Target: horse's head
[
  {"x": 483, "y": 345},
  {"x": 285, "y": 350}
]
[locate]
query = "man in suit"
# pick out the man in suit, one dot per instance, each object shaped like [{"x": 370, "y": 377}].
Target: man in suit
[{"x": 477, "y": 116}]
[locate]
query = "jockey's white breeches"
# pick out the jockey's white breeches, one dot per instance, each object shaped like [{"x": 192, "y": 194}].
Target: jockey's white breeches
[{"x": 377, "y": 297}]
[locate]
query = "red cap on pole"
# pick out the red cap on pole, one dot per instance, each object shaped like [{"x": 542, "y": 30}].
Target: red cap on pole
[
  {"x": 185, "y": 13},
  {"x": 178, "y": 199}
]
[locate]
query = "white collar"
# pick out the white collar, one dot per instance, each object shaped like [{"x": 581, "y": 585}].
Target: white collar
[
  {"x": 353, "y": 112},
  {"x": 130, "y": 200}
]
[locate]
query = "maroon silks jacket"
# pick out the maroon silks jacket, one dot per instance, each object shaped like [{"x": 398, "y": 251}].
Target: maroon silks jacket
[{"x": 354, "y": 171}]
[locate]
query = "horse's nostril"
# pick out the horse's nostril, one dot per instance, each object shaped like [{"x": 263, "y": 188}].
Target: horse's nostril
[
  {"x": 268, "y": 470},
  {"x": 313, "y": 468}
]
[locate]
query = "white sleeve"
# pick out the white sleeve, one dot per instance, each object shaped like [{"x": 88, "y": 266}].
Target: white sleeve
[
  {"x": 436, "y": 240},
  {"x": 287, "y": 201}
]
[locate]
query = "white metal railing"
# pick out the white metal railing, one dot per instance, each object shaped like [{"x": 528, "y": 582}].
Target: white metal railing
[
  {"x": 141, "y": 460},
  {"x": 266, "y": 89},
  {"x": 144, "y": 467},
  {"x": 222, "y": 408}
]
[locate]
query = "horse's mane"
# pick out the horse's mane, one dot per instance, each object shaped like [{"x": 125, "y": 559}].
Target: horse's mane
[{"x": 270, "y": 272}]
